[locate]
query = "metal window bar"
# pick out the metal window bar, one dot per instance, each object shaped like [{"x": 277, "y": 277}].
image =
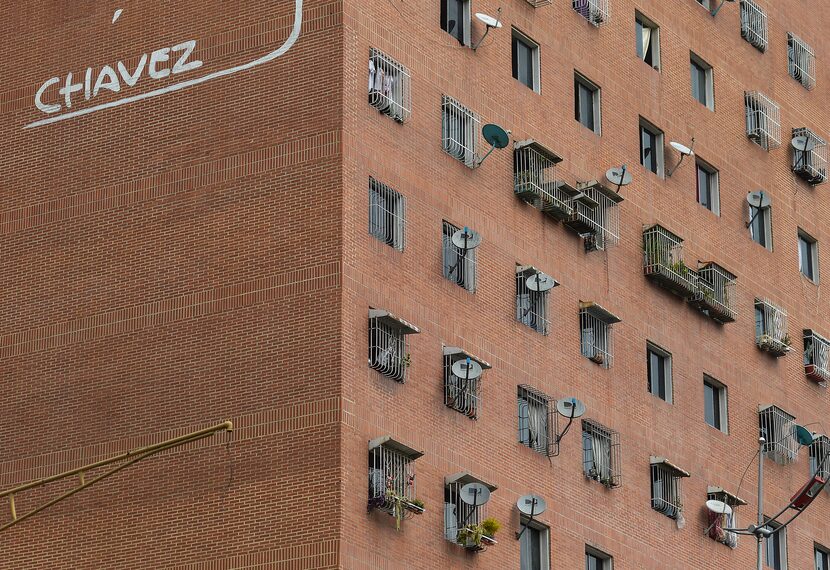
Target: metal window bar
[
  {"x": 601, "y": 459},
  {"x": 596, "y": 215},
  {"x": 457, "y": 513},
  {"x": 718, "y": 523},
  {"x": 771, "y": 328},
  {"x": 778, "y": 427},
  {"x": 811, "y": 165},
  {"x": 388, "y": 344},
  {"x": 538, "y": 423},
  {"x": 663, "y": 261},
  {"x": 531, "y": 306},
  {"x": 819, "y": 450},
  {"x": 716, "y": 294},
  {"x": 596, "y": 328},
  {"x": 534, "y": 180},
  {"x": 666, "y": 496},
  {"x": 461, "y": 394},
  {"x": 754, "y": 24},
  {"x": 597, "y": 12},
  {"x": 801, "y": 61},
  {"x": 389, "y": 86},
  {"x": 387, "y": 214},
  {"x": 816, "y": 357},
  {"x": 459, "y": 265},
  {"x": 763, "y": 120},
  {"x": 460, "y": 131},
  {"x": 391, "y": 474}
]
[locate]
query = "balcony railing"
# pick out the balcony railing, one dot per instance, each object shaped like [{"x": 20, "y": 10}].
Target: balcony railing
[
  {"x": 389, "y": 86},
  {"x": 596, "y": 217},
  {"x": 816, "y": 357},
  {"x": 811, "y": 165},
  {"x": 777, "y": 427},
  {"x": 534, "y": 180},
  {"x": 715, "y": 295},
  {"x": 663, "y": 262},
  {"x": 771, "y": 328},
  {"x": 597, "y": 12},
  {"x": 763, "y": 120},
  {"x": 392, "y": 479}
]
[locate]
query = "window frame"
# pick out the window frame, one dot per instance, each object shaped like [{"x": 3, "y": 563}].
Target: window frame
[
  {"x": 387, "y": 214},
  {"x": 812, "y": 255},
  {"x": 802, "y": 63},
  {"x": 543, "y": 531},
  {"x": 605, "y": 561},
  {"x": 765, "y": 217},
  {"x": 708, "y": 81},
  {"x": 721, "y": 399},
  {"x": 464, "y": 266},
  {"x": 819, "y": 550},
  {"x": 666, "y": 357},
  {"x": 646, "y": 126},
  {"x": 519, "y": 37},
  {"x": 580, "y": 81},
  {"x": 528, "y": 396},
  {"x": 460, "y": 127},
  {"x": 713, "y": 185},
  {"x": 642, "y": 21},
  {"x": 779, "y": 538},
  {"x": 466, "y": 20}
]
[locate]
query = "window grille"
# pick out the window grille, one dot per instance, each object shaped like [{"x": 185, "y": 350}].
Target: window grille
[
  {"x": 531, "y": 305},
  {"x": 777, "y": 427},
  {"x": 716, "y": 294},
  {"x": 387, "y": 214},
  {"x": 663, "y": 262},
  {"x": 754, "y": 24},
  {"x": 595, "y": 325},
  {"x": 801, "y": 61},
  {"x": 389, "y": 86},
  {"x": 596, "y": 215},
  {"x": 816, "y": 357},
  {"x": 666, "y": 495},
  {"x": 718, "y": 523},
  {"x": 459, "y": 264},
  {"x": 460, "y": 393},
  {"x": 457, "y": 513},
  {"x": 819, "y": 460},
  {"x": 771, "y": 328},
  {"x": 763, "y": 120},
  {"x": 601, "y": 454},
  {"x": 388, "y": 344},
  {"x": 392, "y": 478},
  {"x": 811, "y": 165},
  {"x": 537, "y": 421},
  {"x": 460, "y": 128},
  {"x": 595, "y": 11},
  {"x": 534, "y": 180}
]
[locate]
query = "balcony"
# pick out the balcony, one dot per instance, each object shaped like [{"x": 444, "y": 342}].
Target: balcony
[
  {"x": 392, "y": 479},
  {"x": 388, "y": 344},
  {"x": 810, "y": 165},
  {"x": 663, "y": 262},
  {"x": 595, "y": 217},
  {"x": 771, "y": 328},
  {"x": 534, "y": 172},
  {"x": 816, "y": 357},
  {"x": 777, "y": 427},
  {"x": 715, "y": 295}
]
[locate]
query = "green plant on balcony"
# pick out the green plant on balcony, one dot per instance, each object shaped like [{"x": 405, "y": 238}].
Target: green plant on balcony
[{"x": 473, "y": 534}]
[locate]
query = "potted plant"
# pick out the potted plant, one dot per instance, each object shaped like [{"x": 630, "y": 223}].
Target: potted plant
[
  {"x": 476, "y": 536},
  {"x": 415, "y": 506},
  {"x": 490, "y": 526}
]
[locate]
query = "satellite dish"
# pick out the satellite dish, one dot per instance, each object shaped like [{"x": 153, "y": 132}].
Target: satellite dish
[
  {"x": 531, "y": 505},
  {"x": 719, "y": 507},
  {"x": 570, "y": 408},
  {"x": 681, "y": 148},
  {"x": 758, "y": 199},
  {"x": 540, "y": 282},
  {"x": 488, "y": 20},
  {"x": 803, "y": 436},
  {"x": 467, "y": 368},
  {"x": 496, "y": 136},
  {"x": 474, "y": 494},
  {"x": 466, "y": 239},
  {"x": 619, "y": 176},
  {"x": 803, "y": 143}
]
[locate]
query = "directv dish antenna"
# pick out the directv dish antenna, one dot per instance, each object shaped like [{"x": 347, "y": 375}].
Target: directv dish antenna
[
  {"x": 489, "y": 23},
  {"x": 466, "y": 239},
  {"x": 716, "y": 10},
  {"x": 530, "y": 505},
  {"x": 468, "y": 369},
  {"x": 496, "y": 136},
  {"x": 684, "y": 152},
  {"x": 570, "y": 408},
  {"x": 474, "y": 494},
  {"x": 718, "y": 507},
  {"x": 803, "y": 436},
  {"x": 619, "y": 176},
  {"x": 540, "y": 282},
  {"x": 758, "y": 200},
  {"x": 803, "y": 144}
]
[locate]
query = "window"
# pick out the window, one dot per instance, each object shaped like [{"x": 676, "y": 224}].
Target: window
[
  {"x": 763, "y": 120},
  {"x": 455, "y": 19},
  {"x": 525, "y": 60},
  {"x": 532, "y": 288},
  {"x": 816, "y": 357},
  {"x": 809, "y": 156},
  {"x": 819, "y": 460},
  {"x": 537, "y": 421},
  {"x": 822, "y": 558},
  {"x": 595, "y": 324},
  {"x": 459, "y": 255},
  {"x": 754, "y": 24},
  {"x": 775, "y": 547},
  {"x": 534, "y": 546},
  {"x": 392, "y": 478},
  {"x": 666, "y": 495},
  {"x": 719, "y": 523},
  {"x": 460, "y": 128},
  {"x": 714, "y": 404},
  {"x": 801, "y": 61},
  {"x": 760, "y": 225},
  {"x": 458, "y": 514},
  {"x": 651, "y": 147},
  {"x": 462, "y": 392},
  {"x": 601, "y": 454},
  {"x": 659, "y": 372},
  {"x": 595, "y": 11},
  {"x": 596, "y": 560},
  {"x": 708, "y": 192},
  {"x": 388, "y": 344},
  {"x": 771, "y": 328},
  {"x": 389, "y": 85},
  {"x": 647, "y": 40},
  {"x": 387, "y": 211},
  {"x": 704, "y": 3},
  {"x": 807, "y": 256},
  {"x": 703, "y": 84},
  {"x": 586, "y": 103},
  {"x": 776, "y": 427}
]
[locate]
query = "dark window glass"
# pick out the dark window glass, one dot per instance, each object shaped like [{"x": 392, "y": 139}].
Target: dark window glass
[
  {"x": 711, "y": 399},
  {"x": 523, "y": 62},
  {"x": 704, "y": 188},
  {"x": 452, "y": 18},
  {"x": 805, "y": 256},
  {"x": 657, "y": 381},
  {"x": 584, "y": 99},
  {"x": 648, "y": 149},
  {"x": 758, "y": 226},
  {"x": 699, "y": 83}
]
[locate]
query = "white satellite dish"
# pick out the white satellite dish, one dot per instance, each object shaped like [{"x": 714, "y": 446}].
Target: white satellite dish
[
  {"x": 467, "y": 368},
  {"x": 531, "y": 505},
  {"x": 758, "y": 199},
  {"x": 570, "y": 408},
  {"x": 681, "y": 148},
  {"x": 540, "y": 282},
  {"x": 718, "y": 507},
  {"x": 488, "y": 20},
  {"x": 803, "y": 143},
  {"x": 466, "y": 239},
  {"x": 475, "y": 494},
  {"x": 619, "y": 176}
]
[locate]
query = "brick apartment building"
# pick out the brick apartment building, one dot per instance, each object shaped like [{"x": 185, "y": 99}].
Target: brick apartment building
[{"x": 208, "y": 213}]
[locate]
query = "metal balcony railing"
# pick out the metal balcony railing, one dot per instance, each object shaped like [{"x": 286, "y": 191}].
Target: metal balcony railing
[
  {"x": 462, "y": 393},
  {"x": 596, "y": 216},
  {"x": 771, "y": 328},
  {"x": 534, "y": 180},
  {"x": 663, "y": 262},
  {"x": 392, "y": 478},
  {"x": 801, "y": 61},
  {"x": 718, "y": 523},
  {"x": 777, "y": 427},
  {"x": 811, "y": 165},
  {"x": 816, "y": 357},
  {"x": 538, "y": 424},
  {"x": 666, "y": 490},
  {"x": 460, "y": 129},
  {"x": 763, "y": 120},
  {"x": 596, "y": 333},
  {"x": 715, "y": 295},
  {"x": 598, "y": 12}
]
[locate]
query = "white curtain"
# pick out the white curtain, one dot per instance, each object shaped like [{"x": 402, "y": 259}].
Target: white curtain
[{"x": 646, "y": 40}]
